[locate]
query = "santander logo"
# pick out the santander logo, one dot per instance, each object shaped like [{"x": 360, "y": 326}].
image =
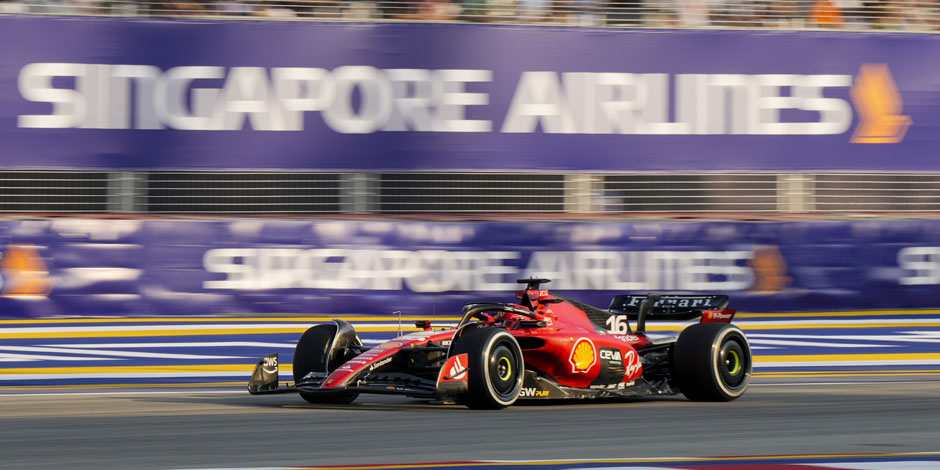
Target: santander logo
[{"x": 458, "y": 371}]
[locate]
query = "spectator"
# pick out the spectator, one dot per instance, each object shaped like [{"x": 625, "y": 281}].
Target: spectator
[
  {"x": 587, "y": 13},
  {"x": 234, "y": 8},
  {"x": 311, "y": 8},
  {"x": 273, "y": 9},
  {"x": 740, "y": 14},
  {"x": 784, "y": 14},
  {"x": 501, "y": 10},
  {"x": 472, "y": 10},
  {"x": 12, "y": 7},
  {"x": 914, "y": 15},
  {"x": 826, "y": 14},
  {"x": 88, "y": 7},
  {"x": 625, "y": 13},
  {"x": 355, "y": 10},
  {"x": 694, "y": 13},
  {"x": 430, "y": 10},
  {"x": 436, "y": 10},
  {"x": 179, "y": 8},
  {"x": 533, "y": 11}
]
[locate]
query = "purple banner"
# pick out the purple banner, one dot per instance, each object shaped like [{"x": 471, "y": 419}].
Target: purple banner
[
  {"x": 147, "y": 94},
  {"x": 94, "y": 267}
]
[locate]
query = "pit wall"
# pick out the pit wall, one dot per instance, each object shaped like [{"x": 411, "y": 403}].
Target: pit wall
[{"x": 164, "y": 267}]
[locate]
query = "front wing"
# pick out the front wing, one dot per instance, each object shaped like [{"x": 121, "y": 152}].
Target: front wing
[{"x": 451, "y": 381}]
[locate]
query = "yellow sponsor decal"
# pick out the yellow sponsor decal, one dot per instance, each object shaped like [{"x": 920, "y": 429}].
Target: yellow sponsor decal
[{"x": 583, "y": 356}]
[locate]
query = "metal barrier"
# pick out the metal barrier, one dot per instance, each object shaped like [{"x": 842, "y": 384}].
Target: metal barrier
[
  {"x": 228, "y": 192},
  {"x": 280, "y": 193},
  {"x": 58, "y": 191},
  {"x": 912, "y": 15},
  {"x": 404, "y": 193}
]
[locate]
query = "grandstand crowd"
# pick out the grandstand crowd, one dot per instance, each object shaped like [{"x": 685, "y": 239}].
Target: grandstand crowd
[{"x": 908, "y": 15}]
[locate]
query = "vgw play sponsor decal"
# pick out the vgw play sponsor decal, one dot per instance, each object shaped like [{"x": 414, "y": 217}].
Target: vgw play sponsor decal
[{"x": 214, "y": 98}]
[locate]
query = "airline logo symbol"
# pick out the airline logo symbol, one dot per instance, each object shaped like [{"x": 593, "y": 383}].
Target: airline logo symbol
[
  {"x": 24, "y": 272},
  {"x": 879, "y": 107}
]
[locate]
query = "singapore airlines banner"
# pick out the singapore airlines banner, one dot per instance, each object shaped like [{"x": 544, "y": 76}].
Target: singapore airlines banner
[
  {"x": 132, "y": 267},
  {"x": 148, "y": 94}
]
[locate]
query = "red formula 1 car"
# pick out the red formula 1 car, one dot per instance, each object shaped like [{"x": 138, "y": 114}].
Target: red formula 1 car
[{"x": 544, "y": 347}]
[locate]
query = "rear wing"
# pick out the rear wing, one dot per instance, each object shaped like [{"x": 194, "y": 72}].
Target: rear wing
[{"x": 669, "y": 307}]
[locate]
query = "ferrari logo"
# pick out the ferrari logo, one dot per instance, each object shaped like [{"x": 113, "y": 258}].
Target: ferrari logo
[{"x": 583, "y": 356}]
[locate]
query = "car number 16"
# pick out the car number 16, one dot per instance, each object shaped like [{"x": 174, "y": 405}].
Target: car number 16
[{"x": 618, "y": 324}]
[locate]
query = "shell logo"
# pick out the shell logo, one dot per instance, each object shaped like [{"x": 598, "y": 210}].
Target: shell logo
[{"x": 583, "y": 356}]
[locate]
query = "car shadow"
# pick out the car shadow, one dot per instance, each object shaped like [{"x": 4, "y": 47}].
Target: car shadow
[{"x": 368, "y": 402}]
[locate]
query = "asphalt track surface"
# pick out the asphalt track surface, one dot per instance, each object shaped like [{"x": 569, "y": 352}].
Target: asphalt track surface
[{"x": 227, "y": 428}]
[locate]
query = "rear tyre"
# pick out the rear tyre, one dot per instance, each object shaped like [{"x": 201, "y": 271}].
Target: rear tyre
[
  {"x": 495, "y": 367},
  {"x": 712, "y": 362},
  {"x": 311, "y": 355}
]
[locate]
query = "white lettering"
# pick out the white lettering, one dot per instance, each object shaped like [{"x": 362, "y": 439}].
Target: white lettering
[
  {"x": 68, "y": 105},
  {"x": 924, "y": 261},
  {"x": 539, "y": 100},
  {"x": 359, "y": 99},
  {"x": 445, "y": 271},
  {"x": 246, "y": 94},
  {"x": 375, "y": 100},
  {"x": 173, "y": 91},
  {"x": 610, "y": 355},
  {"x": 453, "y": 99},
  {"x": 641, "y": 270},
  {"x": 301, "y": 89}
]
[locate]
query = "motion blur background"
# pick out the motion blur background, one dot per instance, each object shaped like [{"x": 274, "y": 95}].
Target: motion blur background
[
  {"x": 191, "y": 158},
  {"x": 186, "y": 186}
]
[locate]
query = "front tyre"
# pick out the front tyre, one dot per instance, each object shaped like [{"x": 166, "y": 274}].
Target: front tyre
[
  {"x": 313, "y": 354},
  {"x": 712, "y": 362},
  {"x": 495, "y": 367}
]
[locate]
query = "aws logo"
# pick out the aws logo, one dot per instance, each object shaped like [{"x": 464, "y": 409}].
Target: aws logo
[
  {"x": 583, "y": 356},
  {"x": 879, "y": 106},
  {"x": 24, "y": 272}
]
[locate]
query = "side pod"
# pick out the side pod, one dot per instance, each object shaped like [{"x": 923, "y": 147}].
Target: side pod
[{"x": 264, "y": 377}]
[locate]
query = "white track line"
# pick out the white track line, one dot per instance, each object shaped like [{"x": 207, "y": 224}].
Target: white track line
[
  {"x": 202, "y": 344},
  {"x": 781, "y": 342},
  {"x": 13, "y": 357},
  {"x": 104, "y": 352},
  {"x": 123, "y": 375},
  {"x": 141, "y": 392},
  {"x": 197, "y": 391}
]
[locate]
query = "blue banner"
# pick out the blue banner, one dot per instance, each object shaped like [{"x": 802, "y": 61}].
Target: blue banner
[
  {"x": 119, "y": 93},
  {"x": 128, "y": 267}
]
